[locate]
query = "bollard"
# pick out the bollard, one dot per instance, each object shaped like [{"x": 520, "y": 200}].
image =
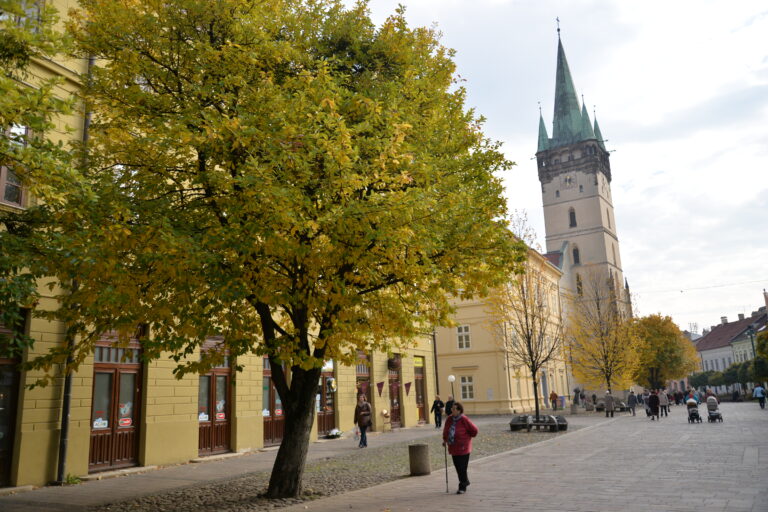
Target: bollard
[{"x": 418, "y": 454}]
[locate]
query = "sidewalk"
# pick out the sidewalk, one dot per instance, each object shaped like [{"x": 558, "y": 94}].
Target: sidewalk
[
  {"x": 138, "y": 482},
  {"x": 627, "y": 464}
]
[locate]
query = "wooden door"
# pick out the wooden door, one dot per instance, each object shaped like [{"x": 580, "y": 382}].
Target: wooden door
[
  {"x": 394, "y": 392},
  {"x": 114, "y": 410},
  {"x": 9, "y": 392},
  {"x": 272, "y": 409},
  {"x": 326, "y": 404},
  {"x": 421, "y": 402},
  {"x": 213, "y": 414}
]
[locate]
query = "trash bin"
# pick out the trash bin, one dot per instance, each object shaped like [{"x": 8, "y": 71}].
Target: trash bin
[{"x": 418, "y": 455}]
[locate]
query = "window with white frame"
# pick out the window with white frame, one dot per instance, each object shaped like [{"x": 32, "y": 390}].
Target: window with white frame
[
  {"x": 11, "y": 191},
  {"x": 467, "y": 388},
  {"x": 462, "y": 333}
]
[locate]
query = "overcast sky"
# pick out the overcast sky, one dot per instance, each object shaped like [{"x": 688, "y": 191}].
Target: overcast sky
[{"x": 681, "y": 93}]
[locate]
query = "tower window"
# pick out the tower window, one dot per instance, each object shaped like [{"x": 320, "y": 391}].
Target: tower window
[
  {"x": 570, "y": 157},
  {"x": 579, "y": 286},
  {"x": 576, "y": 255},
  {"x": 615, "y": 261},
  {"x": 572, "y": 218},
  {"x": 608, "y": 214},
  {"x": 581, "y": 188},
  {"x": 557, "y": 161},
  {"x": 557, "y": 193}
]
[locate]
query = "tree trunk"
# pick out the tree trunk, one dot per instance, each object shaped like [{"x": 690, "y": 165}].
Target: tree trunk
[
  {"x": 536, "y": 395},
  {"x": 288, "y": 470}
]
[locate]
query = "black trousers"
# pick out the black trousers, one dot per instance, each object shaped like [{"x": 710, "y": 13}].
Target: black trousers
[
  {"x": 438, "y": 419},
  {"x": 460, "y": 462}
]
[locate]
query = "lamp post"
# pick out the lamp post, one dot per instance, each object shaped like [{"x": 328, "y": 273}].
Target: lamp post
[
  {"x": 751, "y": 333},
  {"x": 452, "y": 379}
]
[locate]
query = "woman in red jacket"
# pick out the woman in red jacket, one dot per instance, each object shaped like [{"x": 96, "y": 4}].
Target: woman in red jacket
[{"x": 457, "y": 434}]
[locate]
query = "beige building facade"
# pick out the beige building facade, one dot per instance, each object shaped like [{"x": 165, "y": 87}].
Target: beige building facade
[
  {"x": 488, "y": 380},
  {"x": 125, "y": 412}
]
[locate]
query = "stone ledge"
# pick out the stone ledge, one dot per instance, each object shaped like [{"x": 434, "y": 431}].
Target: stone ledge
[
  {"x": 117, "y": 472},
  {"x": 5, "y": 491}
]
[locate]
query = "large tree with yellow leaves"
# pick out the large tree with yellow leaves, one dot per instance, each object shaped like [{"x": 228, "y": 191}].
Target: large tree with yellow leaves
[
  {"x": 281, "y": 173},
  {"x": 663, "y": 352},
  {"x": 600, "y": 333}
]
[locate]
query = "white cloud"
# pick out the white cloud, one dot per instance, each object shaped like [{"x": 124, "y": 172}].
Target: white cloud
[{"x": 681, "y": 90}]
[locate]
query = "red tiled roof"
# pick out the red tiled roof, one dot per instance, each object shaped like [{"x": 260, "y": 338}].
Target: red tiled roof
[
  {"x": 555, "y": 258},
  {"x": 723, "y": 334}
]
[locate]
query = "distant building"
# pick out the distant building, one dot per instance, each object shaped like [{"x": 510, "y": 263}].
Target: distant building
[{"x": 729, "y": 342}]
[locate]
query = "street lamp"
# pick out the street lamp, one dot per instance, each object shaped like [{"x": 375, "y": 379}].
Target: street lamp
[
  {"x": 452, "y": 379},
  {"x": 751, "y": 334}
]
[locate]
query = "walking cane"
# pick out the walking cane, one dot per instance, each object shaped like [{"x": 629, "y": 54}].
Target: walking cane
[{"x": 445, "y": 448}]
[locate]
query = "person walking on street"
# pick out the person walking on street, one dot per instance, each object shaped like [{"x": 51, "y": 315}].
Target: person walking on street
[
  {"x": 437, "y": 408},
  {"x": 363, "y": 419},
  {"x": 632, "y": 402},
  {"x": 663, "y": 402},
  {"x": 457, "y": 435},
  {"x": 608, "y": 404},
  {"x": 759, "y": 393},
  {"x": 653, "y": 404},
  {"x": 553, "y": 400},
  {"x": 449, "y": 406}
]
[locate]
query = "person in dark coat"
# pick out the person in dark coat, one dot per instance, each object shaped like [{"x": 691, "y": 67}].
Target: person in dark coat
[
  {"x": 437, "y": 409},
  {"x": 449, "y": 406},
  {"x": 457, "y": 435},
  {"x": 632, "y": 402},
  {"x": 653, "y": 404},
  {"x": 363, "y": 419}
]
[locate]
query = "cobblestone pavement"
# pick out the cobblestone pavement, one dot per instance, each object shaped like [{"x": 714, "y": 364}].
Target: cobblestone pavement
[
  {"x": 626, "y": 464},
  {"x": 234, "y": 484}
]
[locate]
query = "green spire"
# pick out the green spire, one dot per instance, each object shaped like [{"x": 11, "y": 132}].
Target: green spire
[
  {"x": 567, "y": 122},
  {"x": 586, "y": 127},
  {"x": 543, "y": 137},
  {"x": 599, "y": 136}
]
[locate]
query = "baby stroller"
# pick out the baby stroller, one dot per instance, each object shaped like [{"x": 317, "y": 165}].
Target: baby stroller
[
  {"x": 693, "y": 411},
  {"x": 713, "y": 413}
]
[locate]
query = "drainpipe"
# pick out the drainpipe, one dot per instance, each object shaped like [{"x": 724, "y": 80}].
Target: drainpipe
[
  {"x": 434, "y": 360},
  {"x": 70, "y": 337}
]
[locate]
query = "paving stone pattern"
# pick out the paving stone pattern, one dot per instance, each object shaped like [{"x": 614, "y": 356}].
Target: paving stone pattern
[{"x": 625, "y": 464}]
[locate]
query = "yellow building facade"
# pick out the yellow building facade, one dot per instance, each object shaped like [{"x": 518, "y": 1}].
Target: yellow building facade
[
  {"x": 125, "y": 413},
  {"x": 487, "y": 378}
]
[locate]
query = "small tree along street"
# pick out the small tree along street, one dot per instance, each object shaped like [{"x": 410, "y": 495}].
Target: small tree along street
[
  {"x": 283, "y": 174},
  {"x": 663, "y": 352},
  {"x": 600, "y": 333},
  {"x": 525, "y": 319}
]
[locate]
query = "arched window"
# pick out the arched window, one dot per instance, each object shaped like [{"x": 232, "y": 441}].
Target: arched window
[
  {"x": 572, "y": 218},
  {"x": 608, "y": 214},
  {"x": 576, "y": 255},
  {"x": 613, "y": 249},
  {"x": 579, "y": 286}
]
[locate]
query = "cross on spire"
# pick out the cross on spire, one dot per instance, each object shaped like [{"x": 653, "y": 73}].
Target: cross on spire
[{"x": 558, "y": 26}]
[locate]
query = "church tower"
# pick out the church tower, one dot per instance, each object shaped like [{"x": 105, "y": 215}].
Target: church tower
[{"x": 575, "y": 175}]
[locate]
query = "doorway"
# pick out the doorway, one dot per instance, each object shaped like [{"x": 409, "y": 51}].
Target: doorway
[{"x": 115, "y": 405}]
